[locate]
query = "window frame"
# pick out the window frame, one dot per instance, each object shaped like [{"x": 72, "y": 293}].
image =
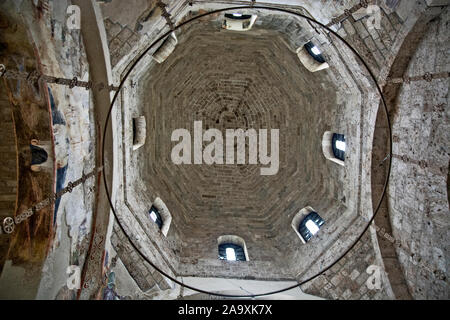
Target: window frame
[
  {"x": 243, "y": 16},
  {"x": 318, "y": 57},
  {"x": 139, "y": 127},
  {"x": 299, "y": 218},
  {"x": 328, "y": 145},
  {"x": 225, "y": 240},
  {"x": 304, "y": 231},
  {"x": 238, "y": 23},
  {"x": 338, "y": 154},
  {"x": 159, "y": 220},
  {"x": 239, "y": 251}
]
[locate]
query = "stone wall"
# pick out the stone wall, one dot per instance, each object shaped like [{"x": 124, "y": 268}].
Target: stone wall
[
  {"x": 347, "y": 280},
  {"x": 418, "y": 191},
  {"x": 8, "y": 185},
  {"x": 142, "y": 272},
  {"x": 373, "y": 44},
  {"x": 128, "y": 32}
]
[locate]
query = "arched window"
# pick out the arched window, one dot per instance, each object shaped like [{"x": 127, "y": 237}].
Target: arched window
[
  {"x": 310, "y": 225},
  {"x": 160, "y": 214},
  {"x": 166, "y": 48},
  {"x": 311, "y": 57},
  {"x": 232, "y": 248},
  {"x": 238, "y": 16},
  {"x": 315, "y": 52},
  {"x": 231, "y": 252},
  {"x": 338, "y": 145},
  {"x": 334, "y": 146},
  {"x": 238, "y": 21},
  {"x": 139, "y": 132},
  {"x": 156, "y": 216},
  {"x": 306, "y": 223}
]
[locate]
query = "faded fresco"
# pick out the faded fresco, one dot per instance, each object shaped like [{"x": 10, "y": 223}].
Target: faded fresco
[{"x": 55, "y": 129}]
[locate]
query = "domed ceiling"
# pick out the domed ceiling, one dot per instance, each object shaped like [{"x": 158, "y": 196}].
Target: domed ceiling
[{"x": 245, "y": 80}]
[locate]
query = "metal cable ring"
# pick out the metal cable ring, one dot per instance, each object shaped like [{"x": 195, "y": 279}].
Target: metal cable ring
[{"x": 8, "y": 225}]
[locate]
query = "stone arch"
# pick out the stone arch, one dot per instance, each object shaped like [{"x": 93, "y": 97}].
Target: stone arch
[{"x": 386, "y": 237}]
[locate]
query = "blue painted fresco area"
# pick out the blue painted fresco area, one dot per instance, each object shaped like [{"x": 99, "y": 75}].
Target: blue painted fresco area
[
  {"x": 21, "y": 69},
  {"x": 57, "y": 117},
  {"x": 109, "y": 293},
  {"x": 57, "y": 120},
  {"x": 60, "y": 179}
]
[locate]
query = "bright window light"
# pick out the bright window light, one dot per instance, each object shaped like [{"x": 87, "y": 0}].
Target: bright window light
[
  {"x": 231, "y": 255},
  {"x": 315, "y": 50},
  {"x": 153, "y": 216},
  {"x": 313, "y": 228},
  {"x": 340, "y": 145},
  {"x": 237, "y": 14}
]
